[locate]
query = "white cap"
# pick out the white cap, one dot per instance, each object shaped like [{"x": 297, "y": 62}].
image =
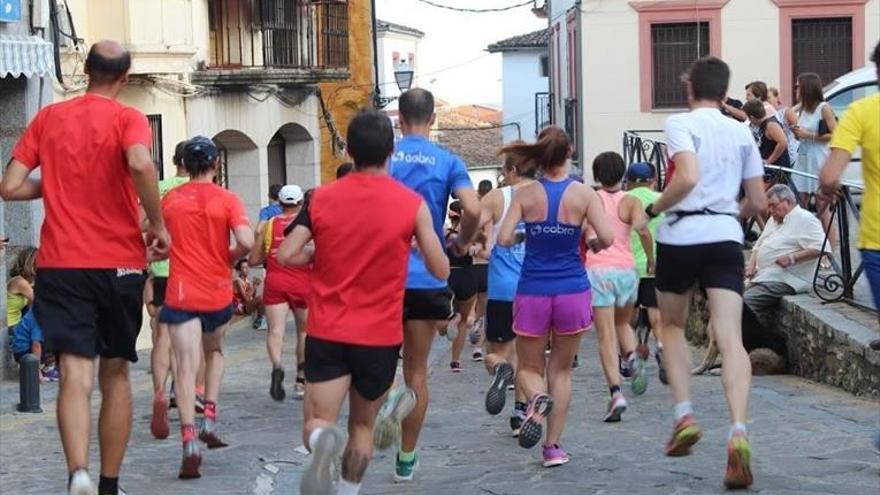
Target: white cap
[{"x": 290, "y": 194}]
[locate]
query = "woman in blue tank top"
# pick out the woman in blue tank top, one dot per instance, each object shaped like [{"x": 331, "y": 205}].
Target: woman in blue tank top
[{"x": 553, "y": 292}]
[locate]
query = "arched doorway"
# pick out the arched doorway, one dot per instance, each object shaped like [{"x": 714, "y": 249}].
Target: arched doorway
[
  {"x": 240, "y": 168},
  {"x": 292, "y": 157}
]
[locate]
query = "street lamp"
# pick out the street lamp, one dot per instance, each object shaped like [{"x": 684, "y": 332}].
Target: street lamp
[{"x": 403, "y": 76}]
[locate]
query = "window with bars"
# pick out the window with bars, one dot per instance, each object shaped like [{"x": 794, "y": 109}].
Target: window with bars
[
  {"x": 155, "y": 122},
  {"x": 823, "y": 46},
  {"x": 674, "y": 47}
]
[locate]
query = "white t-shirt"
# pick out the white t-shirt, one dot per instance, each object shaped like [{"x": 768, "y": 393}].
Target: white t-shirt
[
  {"x": 726, "y": 155},
  {"x": 799, "y": 230}
]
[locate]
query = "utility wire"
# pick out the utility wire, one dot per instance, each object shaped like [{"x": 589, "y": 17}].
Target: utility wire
[{"x": 477, "y": 11}]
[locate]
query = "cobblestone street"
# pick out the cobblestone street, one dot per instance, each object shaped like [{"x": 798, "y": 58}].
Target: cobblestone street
[{"x": 807, "y": 439}]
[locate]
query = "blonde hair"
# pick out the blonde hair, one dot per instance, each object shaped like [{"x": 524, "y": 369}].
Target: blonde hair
[{"x": 25, "y": 265}]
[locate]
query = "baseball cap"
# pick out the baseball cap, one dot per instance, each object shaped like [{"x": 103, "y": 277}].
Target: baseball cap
[
  {"x": 640, "y": 171},
  {"x": 200, "y": 150},
  {"x": 290, "y": 194}
]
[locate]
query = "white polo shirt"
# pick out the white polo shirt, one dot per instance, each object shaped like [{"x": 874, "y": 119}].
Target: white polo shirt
[
  {"x": 726, "y": 155},
  {"x": 799, "y": 230}
]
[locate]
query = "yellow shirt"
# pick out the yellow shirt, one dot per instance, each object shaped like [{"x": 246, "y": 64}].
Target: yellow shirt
[{"x": 860, "y": 126}]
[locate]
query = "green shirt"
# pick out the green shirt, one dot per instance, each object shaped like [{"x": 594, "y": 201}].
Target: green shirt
[
  {"x": 647, "y": 196},
  {"x": 163, "y": 268}
]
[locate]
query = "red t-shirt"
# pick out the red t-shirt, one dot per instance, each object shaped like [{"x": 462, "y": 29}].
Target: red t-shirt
[
  {"x": 289, "y": 279},
  {"x": 92, "y": 217},
  {"x": 363, "y": 227},
  {"x": 200, "y": 217}
]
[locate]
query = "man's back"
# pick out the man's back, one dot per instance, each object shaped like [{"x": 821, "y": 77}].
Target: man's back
[
  {"x": 362, "y": 226},
  {"x": 91, "y": 205},
  {"x": 435, "y": 174}
]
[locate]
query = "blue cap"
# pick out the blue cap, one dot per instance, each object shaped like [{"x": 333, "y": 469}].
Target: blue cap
[
  {"x": 200, "y": 150},
  {"x": 640, "y": 171}
]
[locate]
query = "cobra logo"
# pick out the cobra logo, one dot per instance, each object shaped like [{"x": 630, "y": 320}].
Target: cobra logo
[
  {"x": 401, "y": 157},
  {"x": 552, "y": 230}
]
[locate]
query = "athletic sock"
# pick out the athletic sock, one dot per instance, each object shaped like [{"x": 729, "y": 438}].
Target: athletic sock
[
  {"x": 406, "y": 456},
  {"x": 736, "y": 428},
  {"x": 187, "y": 433},
  {"x": 345, "y": 487},
  {"x": 313, "y": 438},
  {"x": 158, "y": 395},
  {"x": 614, "y": 389},
  {"x": 682, "y": 409},
  {"x": 211, "y": 410},
  {"x": 108, "y": 486}
]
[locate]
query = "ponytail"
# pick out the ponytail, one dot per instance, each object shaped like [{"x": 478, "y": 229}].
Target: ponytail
[{"x": 549, "y": 151}]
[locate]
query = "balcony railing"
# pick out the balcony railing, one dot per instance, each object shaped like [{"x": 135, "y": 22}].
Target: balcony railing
[
  {"x": 543, "y": 111},
  {"x": 836, "y": 276},
  {"x": 291, "y": 37}
]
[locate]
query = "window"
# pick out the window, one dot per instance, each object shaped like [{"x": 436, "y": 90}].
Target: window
[
  {"x": 155, "y": 122},
  {"x": 840, "y": 101},
  {"x": 545, "y": 66},
  {"x": 675, "y": 46},
  {"x": 823, "y": 46},
  {"x": 572, "y": 50}
]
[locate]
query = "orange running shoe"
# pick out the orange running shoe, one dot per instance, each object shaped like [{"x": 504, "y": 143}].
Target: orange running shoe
[
  {"x": 739, "y": 457},
  {"x": 687, "y": 433}
]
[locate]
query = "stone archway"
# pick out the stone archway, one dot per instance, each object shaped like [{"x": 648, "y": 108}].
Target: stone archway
[
  {"x": 240, "y": 168},
  {"x": 293, "y": 157}
]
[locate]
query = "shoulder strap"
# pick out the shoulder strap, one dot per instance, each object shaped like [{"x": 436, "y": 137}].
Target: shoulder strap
[{"x": 269, "y": 234}]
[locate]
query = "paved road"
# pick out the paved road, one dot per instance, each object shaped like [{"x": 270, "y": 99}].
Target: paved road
[{"x": 807, "y": 439}]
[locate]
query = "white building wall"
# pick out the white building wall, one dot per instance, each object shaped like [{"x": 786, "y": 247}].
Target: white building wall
[
  {"x": 522, "y": 78},
  {"x": 388, "y": 43}
]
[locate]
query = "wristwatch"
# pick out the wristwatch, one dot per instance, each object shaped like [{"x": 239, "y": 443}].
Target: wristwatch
[{"x": 649, "y": 210}]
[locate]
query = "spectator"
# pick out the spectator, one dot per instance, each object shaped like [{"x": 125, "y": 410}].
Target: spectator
[
  {"x": 247, "y": 302},
  {"x": 788, "y": 119},
  {"x": 19, "y": 289},
  {"x": 782, "y": 263},
  {"x": 484, "y": 187},
  {"x": 343, "y": 170},
  {"x": 811, "y": 111},
  {"x": 757, "y": 91},
  {"x": 273, "y": 208},
  {"x": 771, "y": 138}
]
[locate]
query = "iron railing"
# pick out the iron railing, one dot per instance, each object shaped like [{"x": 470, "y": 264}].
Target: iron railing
[
  {"x": 291, "y": 34},
  {"x": 543, "y": 110},
  {"x": 837, "y": 273},
  {"x": 155, "y": 121}
]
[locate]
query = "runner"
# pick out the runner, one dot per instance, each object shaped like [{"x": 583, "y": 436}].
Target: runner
[
  {"x": 481, "y": 272},
  {"x": 161, "y": 362},
  {"x": 640, "y": 181},
  {"x": 435, "y": 174},
  {"x": 614, "y": 282},
  {"x": 553, "y": 294},
  {"x": 272, "y": 209},
  {"x": 287, "y": 289},
  {"x": 201, "y": 215},
  {"x": 463, "y": 284},
  {"x": 91, "y": 262},
  {"x": 505, "y": 264},
  {"x": 358, "y": 280},
  {"x": 701, "y": 241}
]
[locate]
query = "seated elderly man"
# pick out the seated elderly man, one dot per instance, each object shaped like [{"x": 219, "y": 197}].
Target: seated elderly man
[{"x": 783, "y": 262}]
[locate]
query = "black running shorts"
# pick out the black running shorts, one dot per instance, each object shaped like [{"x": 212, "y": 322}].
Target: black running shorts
[
  {"x": 499, "y": 321},
  {"x": 463, "y": 283},
  {"x": 159, "y": 286},
  {"x": 90, "y": 312},
  {"x": 481, "y": 272},
  {"x": 647, "y": 294},
  {"x": 427, "y": 304},
  {"x": 371, "y": 368},
  {"x": 210, "y": 320},
  {"x": 717, "y": 265}
]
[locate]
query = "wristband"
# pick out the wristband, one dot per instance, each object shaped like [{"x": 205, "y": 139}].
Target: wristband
[{"x": 649, "y": 210}]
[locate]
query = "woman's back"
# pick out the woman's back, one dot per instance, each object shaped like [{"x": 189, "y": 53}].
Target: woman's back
[{"x": 619, "y": 254}]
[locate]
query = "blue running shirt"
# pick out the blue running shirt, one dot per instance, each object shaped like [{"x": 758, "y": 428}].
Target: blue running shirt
[{"x": 434, "y": 173}]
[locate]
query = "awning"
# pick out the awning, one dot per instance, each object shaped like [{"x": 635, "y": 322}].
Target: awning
[{"x": 26, "y": 55}]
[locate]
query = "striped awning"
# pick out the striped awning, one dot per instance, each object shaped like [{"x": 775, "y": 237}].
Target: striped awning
[{"x": 26, "y": 55}]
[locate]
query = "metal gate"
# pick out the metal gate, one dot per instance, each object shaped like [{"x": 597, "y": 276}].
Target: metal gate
[{"x": 823, "y": 46}]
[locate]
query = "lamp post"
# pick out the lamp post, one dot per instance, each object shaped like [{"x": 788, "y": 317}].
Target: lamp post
[{"x": 403, "y": 76}]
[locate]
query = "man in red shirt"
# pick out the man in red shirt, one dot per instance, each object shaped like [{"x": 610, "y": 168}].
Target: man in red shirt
[
  {"x": 356, "y": 307},
  {"x": 94, "y": 154},
  {"x": 198, "y": 301}
]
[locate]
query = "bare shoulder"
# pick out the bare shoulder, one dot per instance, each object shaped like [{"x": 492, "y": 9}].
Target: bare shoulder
[{"x": 18, "y": 285}]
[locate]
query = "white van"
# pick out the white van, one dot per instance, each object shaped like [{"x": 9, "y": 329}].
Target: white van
[{"x": 845, "y": 90}]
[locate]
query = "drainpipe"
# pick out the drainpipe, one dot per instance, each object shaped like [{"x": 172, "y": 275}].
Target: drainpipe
[{"x": 376, "y": 90}]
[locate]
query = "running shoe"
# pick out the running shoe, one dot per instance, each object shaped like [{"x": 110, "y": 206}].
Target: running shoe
[
  {"x": 477, "y": 331},
  {"x": 639, "y": 380},
  {"x": 200, "y": 403},
  {"x": 739, "y": 458},
  {"x": 455, "y": 367},
  {"x": 276, "y": 388},
  {"x": 533, "y": 426},
  {"x": 319, "y": 477},
  {"x": 496, "y": 396},
  {"x": 399, "y": 404},
  {"x": 192, "y": 460},
  {"x": 516, "y": 422},
  {"x": 661, "y": 373},
  {"x": 687, "y": 433},
  {"x": 299, "y": 388},
  {"x": 405, "y": 471},
  {"x": 208, "y": 434},
  {"x": 259, "y": 323},
  {"x": 159, "y": 426},
  {"x": 616, "y": 408},
  {"x": 81, "y": 483},
  {"x": 477, "y": 355},
  {"x": 451, "y": 330},
  {"x": 554, "y": 456},
  {"x": 51, "y": 374}
]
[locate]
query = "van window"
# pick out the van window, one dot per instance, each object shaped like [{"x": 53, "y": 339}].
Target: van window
[{"x": 840, "y": 101}]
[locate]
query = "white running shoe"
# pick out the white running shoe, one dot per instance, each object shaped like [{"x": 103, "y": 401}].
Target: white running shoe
[{"x": 81, "y": 484}]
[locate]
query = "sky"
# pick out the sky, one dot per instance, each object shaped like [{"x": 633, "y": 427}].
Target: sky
[{"x": 454, "y": 63}]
